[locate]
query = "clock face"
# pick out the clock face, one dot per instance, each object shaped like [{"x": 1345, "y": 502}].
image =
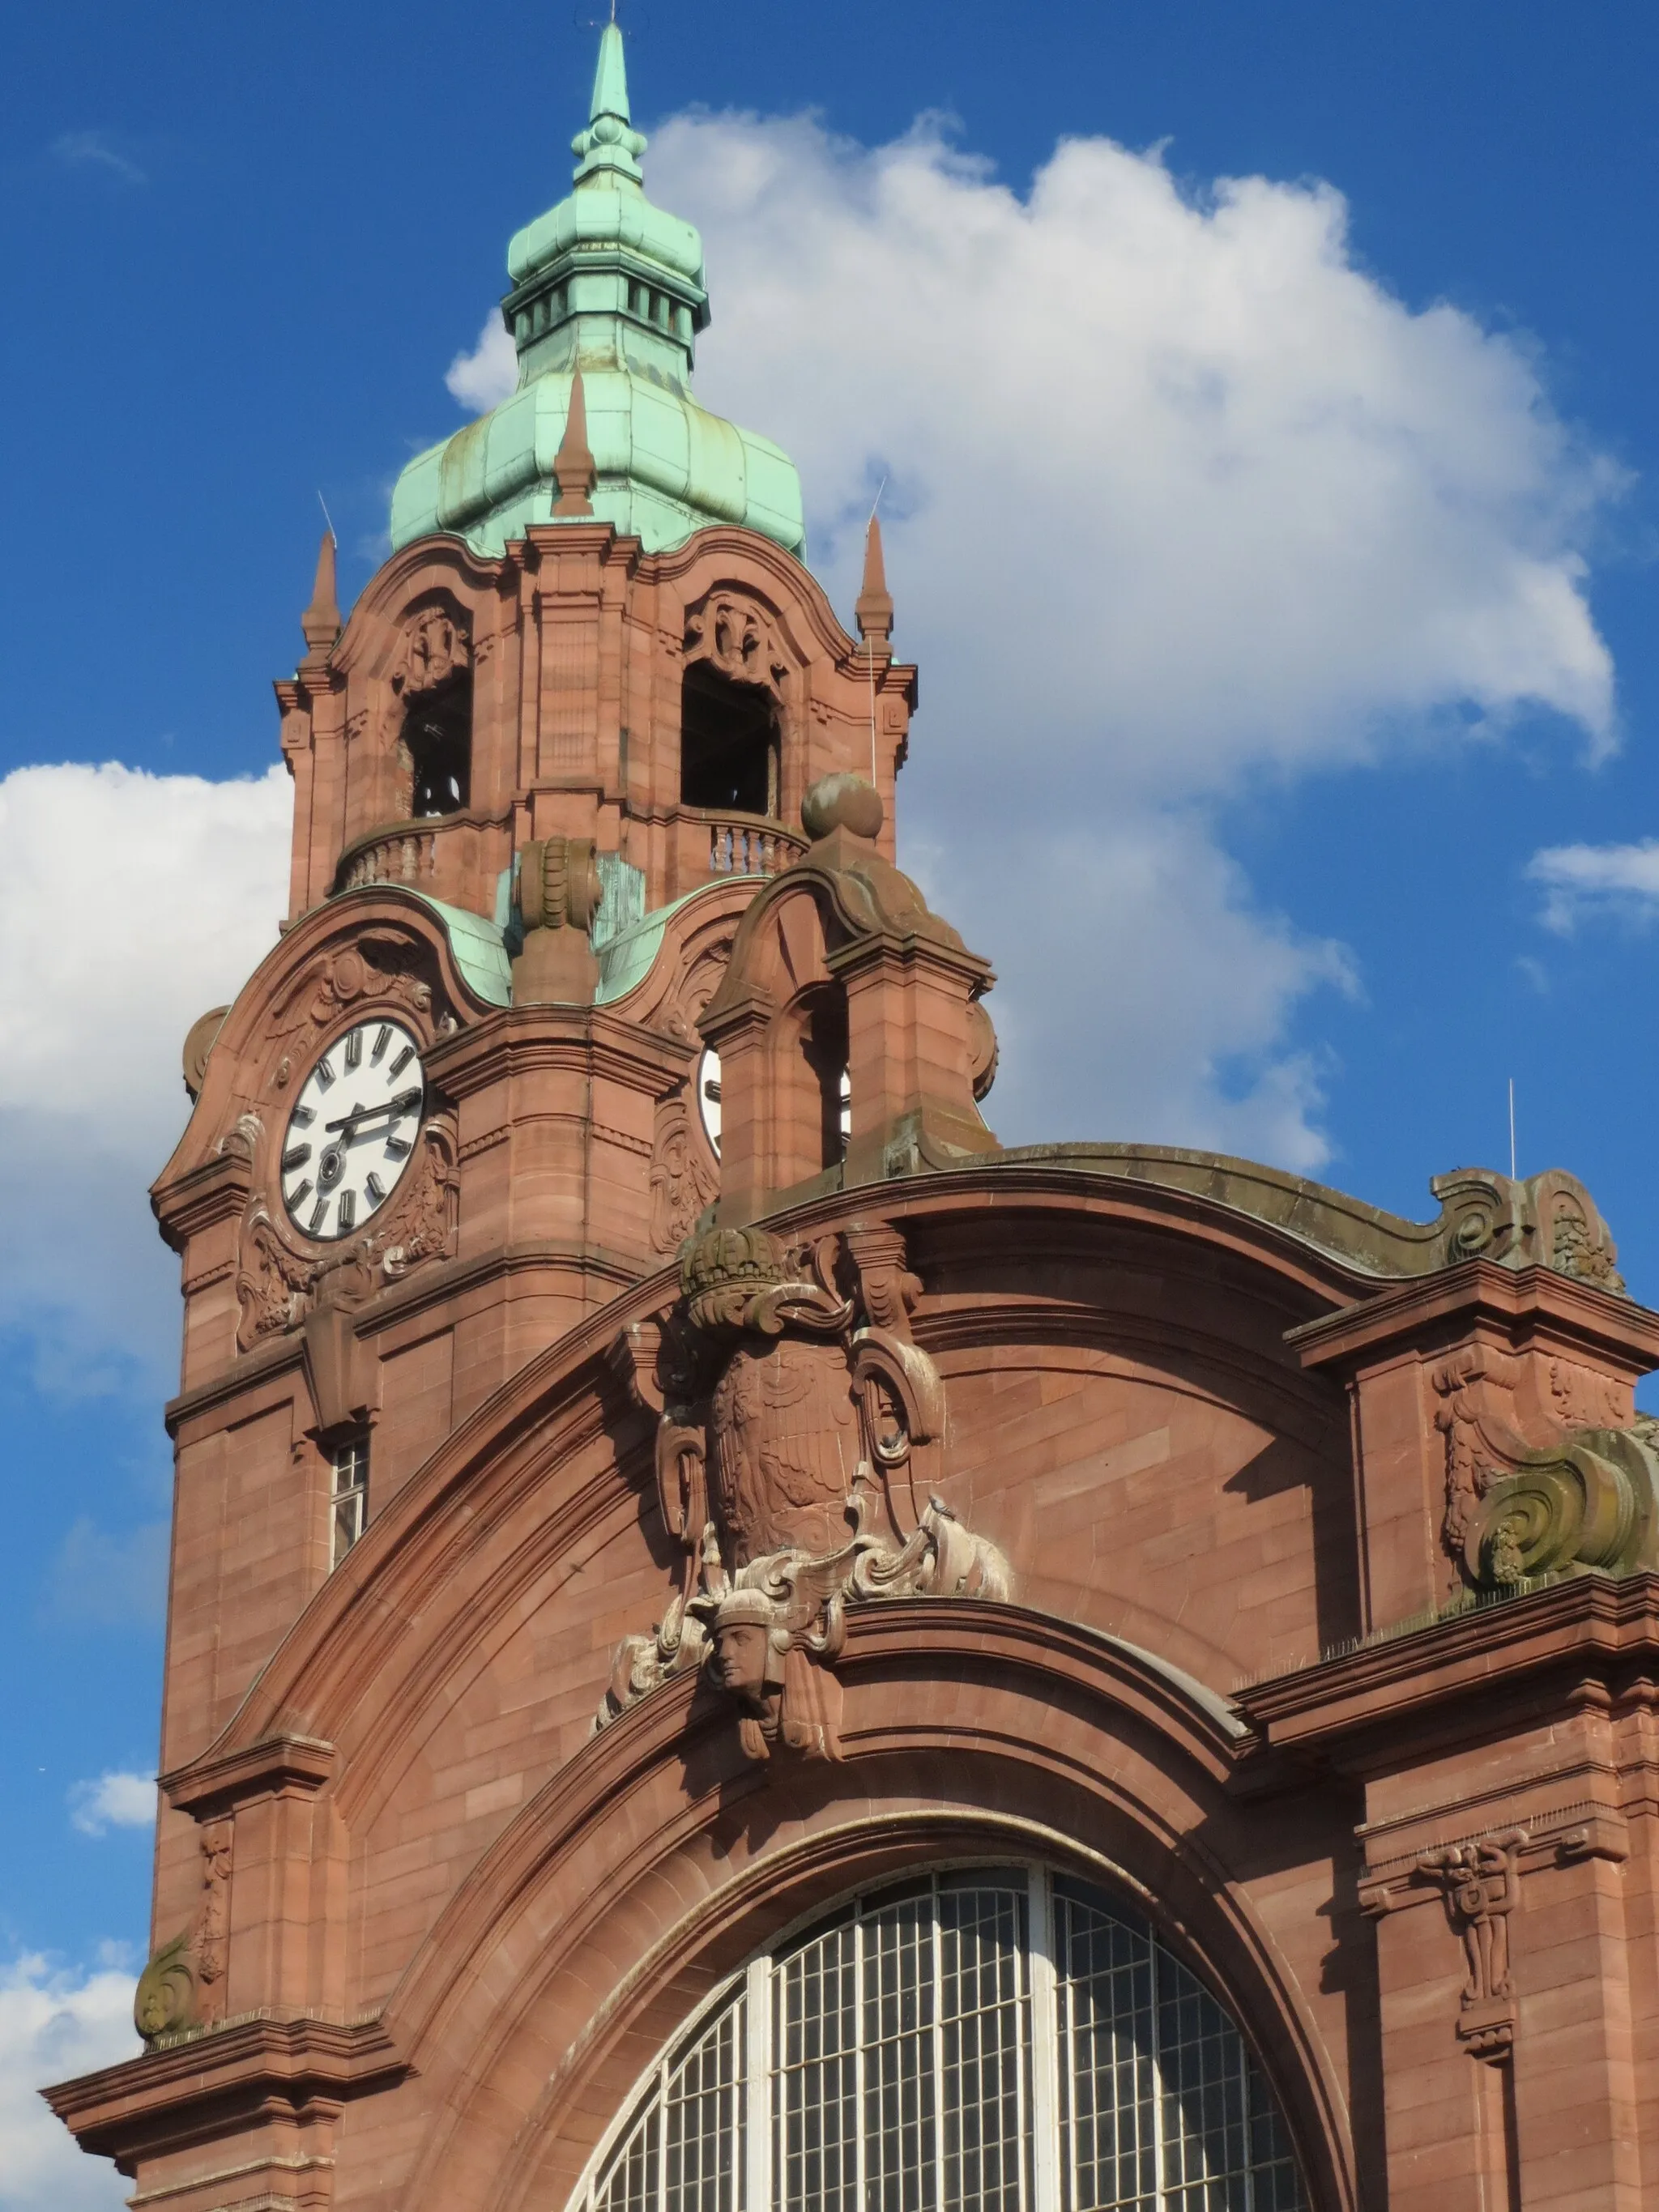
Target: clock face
[
  {"x": 708, "y": 1096},
  {"x": 352, "y": 1132}
]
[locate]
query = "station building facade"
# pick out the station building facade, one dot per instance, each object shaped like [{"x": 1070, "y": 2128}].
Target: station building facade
[{"x": 736, "y": 1643}]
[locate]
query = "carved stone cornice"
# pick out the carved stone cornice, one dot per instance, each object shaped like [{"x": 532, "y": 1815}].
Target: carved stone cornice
[
  {"x": 520, "y": 1040},
  {"x": 1532, "y": 1309},
  {"x": 209, "y": 2083},
  {"x": 278, "y": 1765},
  {"x": 216, "y": 1191},
  {"x": 1464, "y": 1676}
]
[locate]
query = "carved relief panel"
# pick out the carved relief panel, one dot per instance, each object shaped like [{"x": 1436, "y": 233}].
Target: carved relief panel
[{"x": 798, "y": 1430}]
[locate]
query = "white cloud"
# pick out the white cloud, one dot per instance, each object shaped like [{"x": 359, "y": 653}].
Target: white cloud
[
  {"x": 93, "y": 148},
  {"x": 479, "y": 379},
  {"x": 113, "y": 1801},
  {"x": 1581, "y": 882},
  {"x": 53, "y": 2026},
  {"x": 1179, "y": 497},
  {"x": 129, "y": 904}
]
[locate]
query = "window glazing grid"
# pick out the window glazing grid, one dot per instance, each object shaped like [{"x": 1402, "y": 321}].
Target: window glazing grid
[
  {"x": 987, "y": 2040},
  {"x": 350, "y": 1505}
]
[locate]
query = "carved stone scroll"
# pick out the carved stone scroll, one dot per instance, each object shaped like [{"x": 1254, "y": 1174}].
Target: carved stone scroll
[
  {"x": 1536, "y": 1501},
  {"x": 1549, "y": 1221},
  {"x": 184, "y": 1985}
]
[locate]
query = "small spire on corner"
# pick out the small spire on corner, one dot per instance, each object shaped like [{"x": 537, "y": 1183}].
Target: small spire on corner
[
  {"x": 573, "y": 464},
  {"x": 873, "y": 611},
  {"x": 320, "y": 622}
]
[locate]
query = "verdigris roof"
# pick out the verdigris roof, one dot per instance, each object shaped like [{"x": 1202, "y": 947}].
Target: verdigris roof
[{"x": 606, "y": 283}]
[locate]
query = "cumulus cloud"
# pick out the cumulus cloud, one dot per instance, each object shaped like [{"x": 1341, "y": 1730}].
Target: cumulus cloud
[
  {"x": 479, "y": 379},
  {"x": 54, "y": 2026},
  {"x": 1585, "y": 882},
  {"x": 129, "y": 904},
  {"x": 113, "y": 1801},
  {"x": 1179, "y": 497}
]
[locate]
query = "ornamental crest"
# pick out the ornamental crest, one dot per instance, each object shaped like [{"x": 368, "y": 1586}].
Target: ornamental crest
[{"x": 798, "y": 1434}]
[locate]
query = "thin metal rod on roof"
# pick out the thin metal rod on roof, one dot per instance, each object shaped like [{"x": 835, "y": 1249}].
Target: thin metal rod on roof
[{"x": 1512, "y": 1129}]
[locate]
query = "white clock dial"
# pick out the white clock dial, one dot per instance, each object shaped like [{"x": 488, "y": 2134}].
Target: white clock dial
[
  {"x": 352, "y": 1133},
  {"x": 708, "y": 1096}
]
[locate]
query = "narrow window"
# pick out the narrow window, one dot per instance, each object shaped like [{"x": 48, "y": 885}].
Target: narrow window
[
  {"x": 350, "y": 1501},
  {"x": 824, "y": 1044},
  {"x": 728, "y": 743},
  {"x": 438, "y": 736}
]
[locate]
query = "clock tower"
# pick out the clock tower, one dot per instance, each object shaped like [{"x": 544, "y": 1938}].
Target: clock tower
[{"x": 734, "y": 1645}]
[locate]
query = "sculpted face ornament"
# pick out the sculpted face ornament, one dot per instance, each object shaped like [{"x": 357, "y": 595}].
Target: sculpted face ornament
[{"x": 796, "y": 1411}]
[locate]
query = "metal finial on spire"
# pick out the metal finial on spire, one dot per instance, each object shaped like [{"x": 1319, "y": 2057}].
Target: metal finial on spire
[
  {"x": 320, "y": 622},
  {"x": 610, "y": 146}
]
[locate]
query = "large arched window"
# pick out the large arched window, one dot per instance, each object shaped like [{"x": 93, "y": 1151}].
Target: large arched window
[{"x": 984, "y": 2040}]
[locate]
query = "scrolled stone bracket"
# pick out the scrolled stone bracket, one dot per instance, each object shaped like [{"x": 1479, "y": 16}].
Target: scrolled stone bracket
[
  {"x": 1534, "y": 1503},
  {"x": 183, "y": 1986}
]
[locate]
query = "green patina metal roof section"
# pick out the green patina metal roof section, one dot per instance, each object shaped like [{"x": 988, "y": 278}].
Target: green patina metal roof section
[
  {"x": 478, "y": 945},
  {"x": 607, "y": 283}
]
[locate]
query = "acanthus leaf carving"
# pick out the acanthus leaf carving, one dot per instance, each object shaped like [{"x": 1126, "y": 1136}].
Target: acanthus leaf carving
[
  {"x": 795, "y": 1410},
  {"x": 682, "y": 1181}
]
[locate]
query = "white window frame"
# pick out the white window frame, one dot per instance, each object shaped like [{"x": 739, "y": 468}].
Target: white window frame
[
  {"x": 351, "y": 1461},
  {"x": 1042, "y": 2188}
]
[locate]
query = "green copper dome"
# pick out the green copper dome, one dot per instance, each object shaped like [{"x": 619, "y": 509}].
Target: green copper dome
[{"x": 607, "y": 283}]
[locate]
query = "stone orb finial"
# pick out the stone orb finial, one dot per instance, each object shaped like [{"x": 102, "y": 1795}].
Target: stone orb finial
[{"x": 842, "y": 802}]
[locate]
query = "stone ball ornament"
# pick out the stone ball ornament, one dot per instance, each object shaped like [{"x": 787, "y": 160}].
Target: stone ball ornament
[{"x": 842, "y": 802}]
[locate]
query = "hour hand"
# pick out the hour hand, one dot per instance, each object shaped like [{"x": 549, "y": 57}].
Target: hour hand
[{"x": 405, "y": 1103}]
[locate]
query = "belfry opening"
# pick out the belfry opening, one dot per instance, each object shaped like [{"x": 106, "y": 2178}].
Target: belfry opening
[{"x": 729, "y": 742}]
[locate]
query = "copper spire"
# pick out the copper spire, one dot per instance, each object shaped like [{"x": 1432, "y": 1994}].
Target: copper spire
[
  {"x": 573, "y": 464},
  {"x": 320, "y": 622},
  {"x": 874, "y": 608}
]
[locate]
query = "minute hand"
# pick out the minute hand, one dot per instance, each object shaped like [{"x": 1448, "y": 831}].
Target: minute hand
[{"x": 405, "y": 1103}]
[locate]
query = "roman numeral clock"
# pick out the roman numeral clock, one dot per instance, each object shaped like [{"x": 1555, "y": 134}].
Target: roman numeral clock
[{"x": 352, "y": 1129}]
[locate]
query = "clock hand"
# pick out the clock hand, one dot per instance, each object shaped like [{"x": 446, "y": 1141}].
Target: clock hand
[{"x": 405, "y": 1103}]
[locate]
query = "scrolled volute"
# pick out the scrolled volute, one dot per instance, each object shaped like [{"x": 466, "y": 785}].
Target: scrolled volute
[
  {"x": 559, "y": 885},
  {"x": 1593, "y": 1506},
  {"x": 164, "y": 2002}
]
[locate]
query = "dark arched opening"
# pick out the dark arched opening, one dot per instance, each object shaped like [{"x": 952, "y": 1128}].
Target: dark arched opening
[
  {"x": 728, "y": 743},
  {"x": 438, "y": 738},
  {"x": 825, "y": 1046}
]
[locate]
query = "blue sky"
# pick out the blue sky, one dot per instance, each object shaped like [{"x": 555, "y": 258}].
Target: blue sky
[{"x": 1275, "y": 886}]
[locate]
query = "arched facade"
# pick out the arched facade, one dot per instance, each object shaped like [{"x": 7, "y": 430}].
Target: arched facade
[{"x": 705, "y": 1479}]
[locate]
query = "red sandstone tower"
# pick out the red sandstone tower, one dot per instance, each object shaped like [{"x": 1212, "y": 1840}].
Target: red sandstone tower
[{"x": 734, "y": 1645}]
